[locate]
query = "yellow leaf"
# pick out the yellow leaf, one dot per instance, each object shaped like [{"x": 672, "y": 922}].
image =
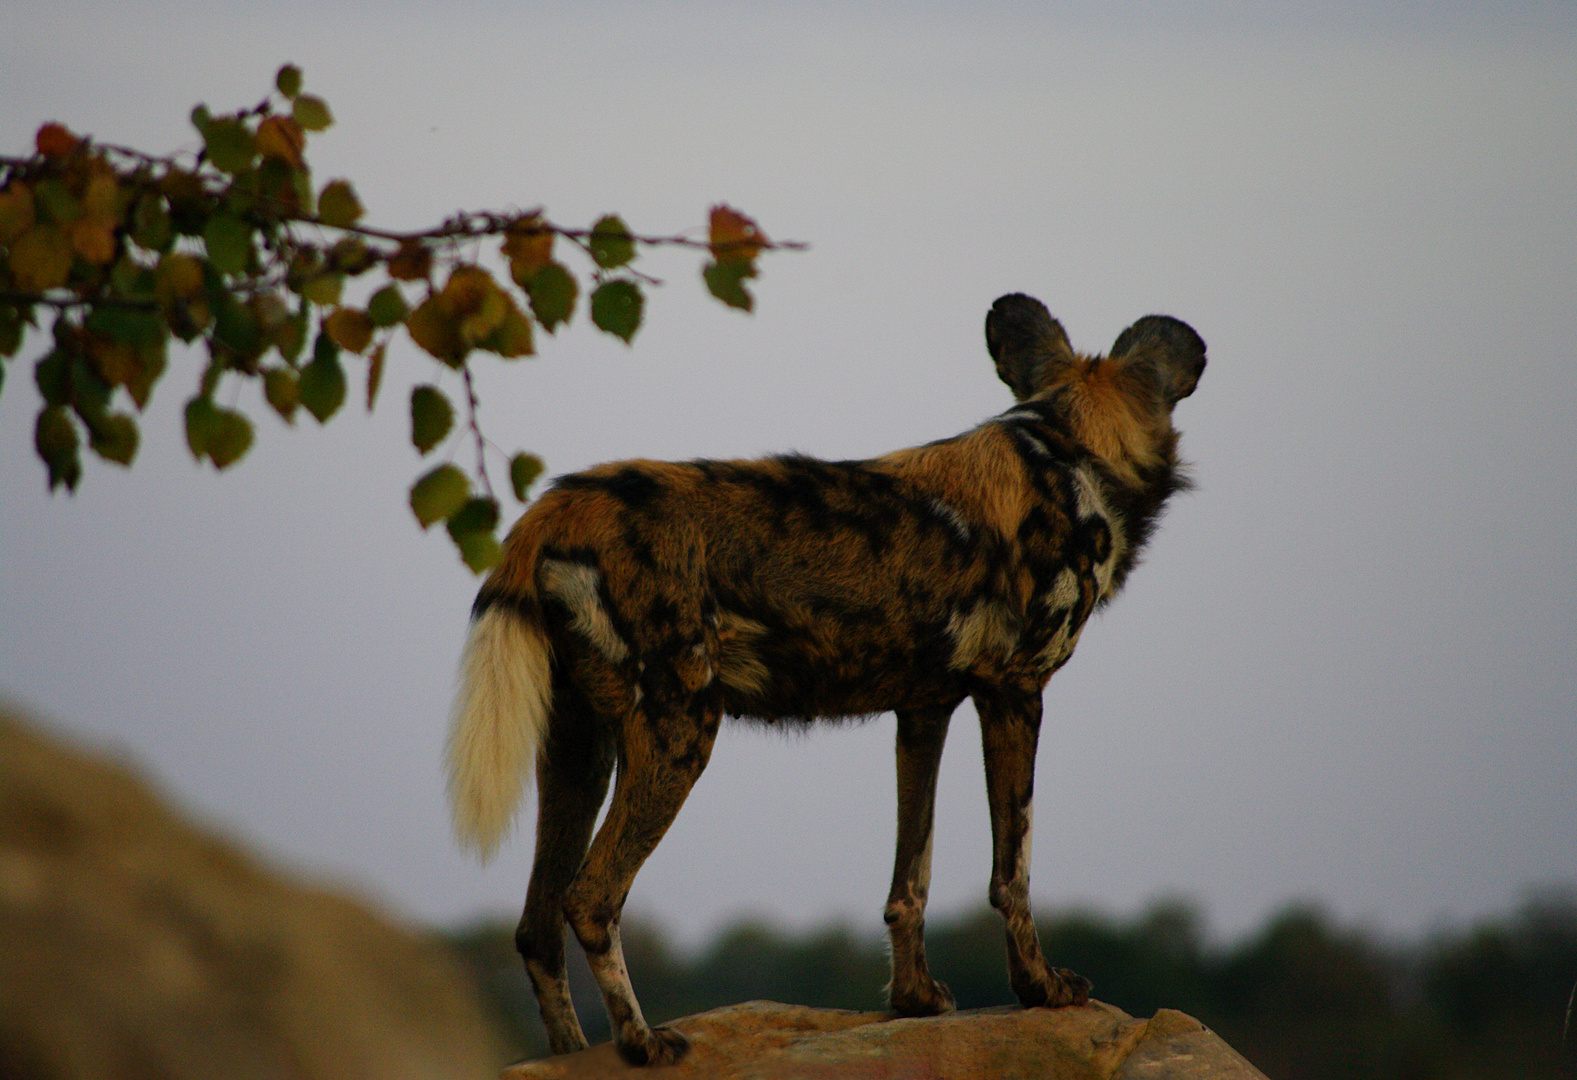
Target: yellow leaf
[
  {"x": 115, "y": 363},
  {"x": 94, "y": 240},
  {"x": 490, "y": 313},
  {"x": 734, "y": 237},
  {"x": 434, "y": 328},
  {"x": 16, "y": 211},
  {"x": 466, "y": 288},
  {"x": 41, "y": 259},
  {"x": 528, "y": 245},
  {"x": 513, "y": 336},
  {"x": 350, "y": 328},
  {"x": 413, "y": 262},
  {"x": 179, "y": 277},
  {"x": 281, "y": 137},
  {"x": 101, "y": 196}
]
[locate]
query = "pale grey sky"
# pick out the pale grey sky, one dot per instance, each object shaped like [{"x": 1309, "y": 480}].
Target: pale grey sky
[{"x": 1345, "y": 670}]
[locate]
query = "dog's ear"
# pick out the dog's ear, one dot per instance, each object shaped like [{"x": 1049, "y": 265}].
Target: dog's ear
[
  {"x": 1025, "y": 341},
  {"x": 1167, "y": 347}
]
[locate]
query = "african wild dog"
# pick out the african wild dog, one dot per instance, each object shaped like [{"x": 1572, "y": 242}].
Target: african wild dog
[{"x": 638, "y": 602}]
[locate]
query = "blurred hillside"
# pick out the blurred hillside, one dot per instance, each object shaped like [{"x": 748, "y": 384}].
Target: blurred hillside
[
  {"x": 1303, "y": 998},
  {"x": 133, "y": 945}
]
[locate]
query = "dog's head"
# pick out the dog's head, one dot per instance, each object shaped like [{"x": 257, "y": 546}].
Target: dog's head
[{"x": 1120, "y": 404}]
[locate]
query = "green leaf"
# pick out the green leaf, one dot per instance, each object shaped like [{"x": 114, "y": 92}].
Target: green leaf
[
  {"x": 476, "y": 514},
  {"x": 13, "y": 326},
  {"x": 323, "y": 289},
  {"x": 552, "y": 291},
  {"x": 229, "y": 439},
  {"x": 479, "y": 550},
  {"x": 201, "y": 421},
  {"x": 338, "y": 205},
  {"x": 375, "y": 373},
  {"x": 152, "y": 362},
  {"x": 229, "y": 243},
  {"x": 431, "y": 417},
  {"x": 291, "y": 337},
  {"x": 130, "y": 326},
  {"x": 523, "y": 471},
  {"x": 726, "y": 280},
  {"x": 230, "y": 144},
  {"x": 616, "y": 308},
  {"x": 237, "y": 334},
  {"x": 438, "y": 494},
  {"x": 50, "y": 375},
  {"x": 322, "y": 383},
  {"x": 513, "y": 337},
  {"x": 288, "y": 81},
  {"x": 90, "y": 395},
  {"x": 55, "y": 437},
  {"x": 56, "y": 202},
  {"x": 282, "y": 388},
  {"x": 610, "y": 242},
  {"x": 150, "y": 223},
  {"x": 114, "y": 438},
  {"x": 386, "y": 307},
  {"x": 312, "y": 113}
]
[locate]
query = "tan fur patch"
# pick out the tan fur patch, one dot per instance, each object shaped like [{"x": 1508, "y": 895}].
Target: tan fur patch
[
  {"x": 738, "y": 666},
  {"x": 576, "y": 585},
  {"x": 1116, "y": 423},
  {"x": 989, "y": 627}
]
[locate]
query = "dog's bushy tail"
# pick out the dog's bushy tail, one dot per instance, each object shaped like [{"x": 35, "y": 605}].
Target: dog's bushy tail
[{"x": 497, "y": 726}]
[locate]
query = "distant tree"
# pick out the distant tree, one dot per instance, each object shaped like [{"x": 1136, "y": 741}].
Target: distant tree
[
  {"x": 234, "y": 246},
  {"x": 1301, "y": 998},
  {"x": 1504, "y": 990}
]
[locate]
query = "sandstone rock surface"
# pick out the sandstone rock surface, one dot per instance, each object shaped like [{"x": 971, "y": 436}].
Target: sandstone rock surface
[
  {"x": 133, "y": 945},
  {"x": 763, "y": 1040}
]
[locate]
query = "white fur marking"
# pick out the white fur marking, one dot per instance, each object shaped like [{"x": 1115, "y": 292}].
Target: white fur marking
[
  {"x": 1063, "y": 596},
  {"x": 1092, "y": 504},
  {"x": 1036, "y": 447},
  {"x": 613, "y": 977}
]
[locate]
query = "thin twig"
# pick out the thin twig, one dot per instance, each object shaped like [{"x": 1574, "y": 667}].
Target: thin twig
[{"x": 476, "y": 431}]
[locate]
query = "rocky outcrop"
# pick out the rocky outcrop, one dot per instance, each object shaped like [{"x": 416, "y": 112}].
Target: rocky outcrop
[
  {"x": 762, "y": 1040},
  {"x": 133, "y": 945}
]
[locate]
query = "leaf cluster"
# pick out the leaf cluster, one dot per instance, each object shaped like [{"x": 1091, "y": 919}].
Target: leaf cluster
[{"x": 235, "y": 246}]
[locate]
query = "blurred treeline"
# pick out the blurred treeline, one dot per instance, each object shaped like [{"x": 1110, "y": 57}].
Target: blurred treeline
[{"x": 1302, "y": 998}]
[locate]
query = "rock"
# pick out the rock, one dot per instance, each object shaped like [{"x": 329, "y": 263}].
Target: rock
[
  {"x": 762, "y": 1040},
  {"x": 132, "y": 944}
]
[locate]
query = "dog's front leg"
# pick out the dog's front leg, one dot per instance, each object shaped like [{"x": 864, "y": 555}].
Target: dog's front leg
[
  {"x": 913, "y": 992},
  {"x": 1009, "y": 731}
]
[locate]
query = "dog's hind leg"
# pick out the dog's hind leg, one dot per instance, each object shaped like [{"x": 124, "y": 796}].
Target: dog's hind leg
[
  {"x": 573, "y": 769},
  {"x": 913, "y": 992},
  {"x": 659, "y": 761},
  {"x": 1009, "y": 731}
]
